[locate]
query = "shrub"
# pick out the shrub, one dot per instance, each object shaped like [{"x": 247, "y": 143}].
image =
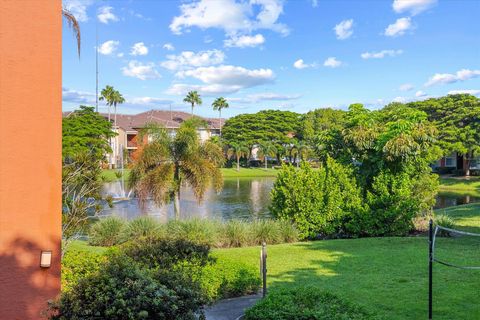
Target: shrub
[
  {"x": 123, "y": 290},
  {"x": 317, "y": 201},
  {"x": 236, "y": 233},
  {"x": 106, "y": 232},
  {"x": 77, "y": 265},
  {"x": 227, "y": 278},
  {"x": 305, "y": 303},
  {"x": 392, "y": 207},
  {"x": 196, "y": 230},
  {"x": 444, "y": 221},
  {"x": 142, "y": 227},
  {"x": 154, "y": 253},
  {"x": 265, "y": 231}
]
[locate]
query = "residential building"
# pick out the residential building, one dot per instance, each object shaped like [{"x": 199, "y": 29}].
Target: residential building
[
  {"x": 129, "y": 126},
  {"x": 456, "y": 161}
]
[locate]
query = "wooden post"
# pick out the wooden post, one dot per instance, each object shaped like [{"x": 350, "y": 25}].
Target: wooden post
[{"x": 263, "y": 267}]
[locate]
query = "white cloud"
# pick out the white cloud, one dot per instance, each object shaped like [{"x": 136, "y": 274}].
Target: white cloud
[
  {"x": 105, "y": 15},
  {"x": 300, "y": 64},
  {"x": 344, "y": 30},
  {"x": 140, "y": 70},
  {"x": 80, "y": 97},
  {"x": 190, "y": 59},
  {"x": 147, "y": 101},
  {"x": 399, "y": 27},
  {"x": 412, "y": 6},
  {"x": 420, "y": 94},
  {"x": 406, "y": 87},
  {"x": 244, "y": 41},
  {"x": 231, "y": 16},
  {"x": 78, "y": 8},
  {"x": 314, "y": 3},
  {"x": 120, "y": 55},
  {"x": 270, "y": 96},
  {"x": 400, "y": 99},
  {"x": 467, "y": 91},
  {"x": 139, "y": 49},
  {"x": 108, "y": 47},
  {"x": 222, "y": 79},
  {"x": 381, "y": 54},
  {"x": 168, "y": 46},
  {"x": 332, "y": 62},
  {"x": 444, "y": 78}
]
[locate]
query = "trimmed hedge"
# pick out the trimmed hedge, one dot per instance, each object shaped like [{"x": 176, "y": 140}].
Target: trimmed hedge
[
  {"x": 306, "y": 303},
  {"x": 77, "y": 265}
]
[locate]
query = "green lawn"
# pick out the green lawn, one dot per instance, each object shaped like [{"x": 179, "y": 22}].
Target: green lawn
[
  {"x": 387, "y": 275},
  {"x": 108, "y": 175},
  {"x": 455, "y": 184},
  {"x": 249, "y": 172}
]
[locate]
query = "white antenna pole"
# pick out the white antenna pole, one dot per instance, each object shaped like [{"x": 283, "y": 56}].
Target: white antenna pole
[{"x": 96, "y": 66}]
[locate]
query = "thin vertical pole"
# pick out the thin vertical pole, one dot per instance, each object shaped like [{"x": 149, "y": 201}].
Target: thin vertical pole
[
  {"x": 96, "y": 66},
  {"x": 430, "y": 268},
  {"x": 264, "y": 268}
]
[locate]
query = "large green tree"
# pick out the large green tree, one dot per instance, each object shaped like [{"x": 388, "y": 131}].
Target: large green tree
[
  {"x": 86, "y": 132},
  {"x": 166, "y": 162},
  {"x": 457, "y": 118},
  {"x": 268, "y": 125}
]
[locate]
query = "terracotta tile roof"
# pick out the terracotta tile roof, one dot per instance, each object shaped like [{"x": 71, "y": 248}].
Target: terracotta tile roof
[{"x": 166, "y": 118}]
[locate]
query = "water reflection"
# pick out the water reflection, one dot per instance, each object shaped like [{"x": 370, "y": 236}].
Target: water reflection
[{"x": 241, "y": 198}]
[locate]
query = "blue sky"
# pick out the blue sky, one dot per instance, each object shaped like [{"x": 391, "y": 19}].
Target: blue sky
[{"x": 293, "y": 55}]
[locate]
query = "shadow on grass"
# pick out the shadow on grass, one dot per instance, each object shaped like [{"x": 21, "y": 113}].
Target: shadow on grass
[{"x": 388, "y": 276}]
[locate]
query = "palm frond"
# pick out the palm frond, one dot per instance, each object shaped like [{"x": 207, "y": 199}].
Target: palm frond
[{"x": 74, "y": 25}]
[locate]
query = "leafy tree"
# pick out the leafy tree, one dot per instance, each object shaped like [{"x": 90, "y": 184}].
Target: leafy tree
[
  {"x": 86, "y": 132},
  {"x": 219, "y": 104},
  {"x": 268, "y": 125},
  {"x": 266, "y": 149},
  {"x": 238, "y": 150},
  {"x": 319, "y": 120},
  {"x": 166, "y": 162},
  {"x": 457, "y": 118},
  {"x": 112, "y": 98},
  {"x": 317, "y": 201},
  {"x": 193, "y": 98}
]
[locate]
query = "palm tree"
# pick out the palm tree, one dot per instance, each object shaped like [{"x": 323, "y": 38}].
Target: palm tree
[
  {"x": 266, "y": 149},
  {"x": 166, "y": 162},
  {"x": 74, "y": 25},
  {"x": 219, "y": 104},
  {"x": 112, "y": 98},
  {"x": 193, "y": 98},
  {"x": 238, "y": 150},
  {"x": 299, "y": 150}
]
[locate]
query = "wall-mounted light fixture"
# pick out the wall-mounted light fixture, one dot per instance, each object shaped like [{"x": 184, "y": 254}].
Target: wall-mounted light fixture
[{"x": 46, "y": 259}]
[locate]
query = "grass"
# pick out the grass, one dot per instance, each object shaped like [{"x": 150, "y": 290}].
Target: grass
[
  {"x": 387, "y": 275},
  {"x": 108, "y": 175},
  {"x": 456, "y": 184},
  {"x": 249, "y": 172}
]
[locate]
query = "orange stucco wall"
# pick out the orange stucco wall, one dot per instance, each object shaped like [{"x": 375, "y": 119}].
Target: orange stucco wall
[{"x": 30, "y": 154}]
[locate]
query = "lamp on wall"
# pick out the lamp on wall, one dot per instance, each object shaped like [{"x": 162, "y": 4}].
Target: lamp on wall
[{"x": 46, "y": 259}]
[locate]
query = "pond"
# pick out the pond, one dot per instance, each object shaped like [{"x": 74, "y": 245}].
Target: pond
[{"x": 241, "y": 198}]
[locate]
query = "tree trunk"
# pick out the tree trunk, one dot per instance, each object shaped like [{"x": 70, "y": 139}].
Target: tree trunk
[
  {"x": 176, "y": 205},
  {"x": 466, "y": 163},
  {"x": 266, "y": 162},
  {"x": 238, "y": 163},
  {"x": 192, "y": 109},
  {"x": 220, "y": 121}
]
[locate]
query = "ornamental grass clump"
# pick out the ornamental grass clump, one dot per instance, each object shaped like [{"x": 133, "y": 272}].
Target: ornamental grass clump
[
  {"x": 195, "y": 230},
  {"x": 107, "y": 232},
  {"x": 142, "y": 227},
  {"x": 267, "y": 231},
  {"x": 236, "y": 233}
]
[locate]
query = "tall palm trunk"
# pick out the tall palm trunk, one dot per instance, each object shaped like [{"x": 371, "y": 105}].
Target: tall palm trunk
[
  {"x": 220, "y": 120},
  {"x": 238, "y": 162},
  {"x": 266, "y": 162},
  {"x": 192, "y": 109},
  {"x": 109, "y": 141},
  {"x": 115, "y": 154},
  {"x": 176, "y": 205}
]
